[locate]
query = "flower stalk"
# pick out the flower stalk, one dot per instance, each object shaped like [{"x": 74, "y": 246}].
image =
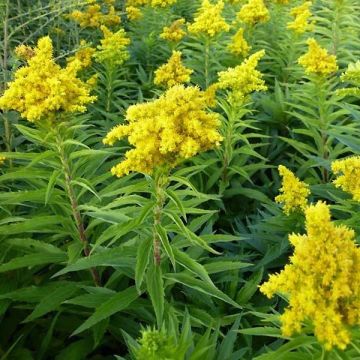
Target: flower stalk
[{"x": 74, "y": 204}]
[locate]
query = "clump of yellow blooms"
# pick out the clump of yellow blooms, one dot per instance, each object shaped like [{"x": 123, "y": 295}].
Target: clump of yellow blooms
[
  {"x": 243, "y": 79},
  {"x": 93, "y": 16},
  {"x": 352, "y": 76},
  {"x": 301, "y": 15},
  {"x": 167, "y": 130},
  {"x": 152, "y": 3},
  {"x": 24, "y": 52},
  {"x": 113, "y": 47},
  {"x": 281, "y": 2},
  {"x": 133, "y": 13},
  {"x": 173, "y": 72},
  {"x": 253, "y": 12},
  {"x": 322, "y": 280},
  {"x": 162, "y": 3},
  {"x": 239, "y": 45},
  {"x": 208, "y": 19},
  {"x": 349, "y": 181},
  {"x": 2, "y": 160},
  {"x": 174, "y": 32},
  {"x": 294, "y": 193},
  {"x": 317, "y": 60},
  {"x": 84, "y": 54},
  {"x": 42, "y": 88}
]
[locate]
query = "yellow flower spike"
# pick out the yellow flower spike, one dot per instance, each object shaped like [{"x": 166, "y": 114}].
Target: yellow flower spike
[
  {"x": 133, "y": 13},
  {"x": 301, "y": 15},
  {"x": 208, "y": 20},
  {"x": 317, "y": 60},
  {"x": 253, "y": 12},
  {"x": 174, "y": 32},
  {"x": 294, "y": 193},
  {"x": 322, "y": 280},
  {"x": 351, "y": 76},
  {"x": 113, "y": 48},
  {"x": 2, "y": 160},
  {"x": 84, "y": 54},
  {"x": 243, "y": 79},
  {"x": 93, "y": 16},
  {"x": 162, "y": 3},
  {"x": 173, "y": 72},
  {"x": 24, "y": 52},
  {"x": 167, "y": 130},
  {"x": 239, "y": 45},
  {"x": 349, "y": 181},
  {"x": 42, "y": 88}
]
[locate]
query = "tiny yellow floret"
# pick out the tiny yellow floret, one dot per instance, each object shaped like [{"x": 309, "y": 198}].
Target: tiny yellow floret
[{"x": 294, "y": 193}]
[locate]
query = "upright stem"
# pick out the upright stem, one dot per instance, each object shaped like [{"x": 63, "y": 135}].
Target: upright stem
[
  {"x": 206, "y": 65},
  {"x": 109, "y": 85},
  {"x": 160, "y": 182},
  {"x": 7, "y": 129},
  {"x": 74, "y": 205}
]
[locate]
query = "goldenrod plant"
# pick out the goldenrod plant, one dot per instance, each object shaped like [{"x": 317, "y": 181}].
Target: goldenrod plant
[{"x": 179, "y": 180}]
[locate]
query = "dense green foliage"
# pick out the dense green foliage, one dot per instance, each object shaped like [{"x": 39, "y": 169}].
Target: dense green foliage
[{"x": 77, "y": 274}]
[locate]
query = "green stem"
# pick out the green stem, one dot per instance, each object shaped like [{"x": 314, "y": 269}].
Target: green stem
[
  {"x": 109, "y": 85},
  {"x": 7, "y": 128},
  {"x": 160, "y": 184},
  {"x": 74, "y": 204},
  {"x": 206, "y": 59}
]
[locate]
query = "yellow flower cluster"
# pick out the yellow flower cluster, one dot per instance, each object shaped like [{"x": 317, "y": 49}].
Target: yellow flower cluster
[
  {"x": 294, "y": 192},
  {"x": 239, "y": 45},
  {"x": 174, "y": 32},
  {"x": 167, "y": 130},
  {"x": 162, "y": 3},
  {"x": 92, "y": 16},
  {"x": 84, "y": 55},
  {"x": 281, "y": 2},
  {"x": 152, "y": 3},
  {"x": 2, "y": 160},
  {"x": 133, "y": 13},
  {"x": 42, "y": 88},
  {"x": 208, "y": 19},
  {"x": 349, "y": 181},
  {"x": 243, "y": 79},
  {"x": 113, "y": 47},
  {"x": 173, "y": 72},
  {"x": 24, "y": 52},
  {"x": 253, "y": 12},
  {"x": 352, "y": 76},
  {"x": 301, "y": 15},
  {"x": 317, "y": 60},
  {"x": 322, "y": 280}
]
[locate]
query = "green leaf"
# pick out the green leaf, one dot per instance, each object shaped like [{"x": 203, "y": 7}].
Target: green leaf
[
  {"x": 201, "y": 286},
  {"x": 33, "y": 260},
  {"x": 142, "y": 260},
  {"x": 52, "y": 301},
  {"x": 161, "y": 232},
  {"x": 155, "y": 287},
  {"x": 110, "y": 257},
  {"x": 116, "y": 303}
]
